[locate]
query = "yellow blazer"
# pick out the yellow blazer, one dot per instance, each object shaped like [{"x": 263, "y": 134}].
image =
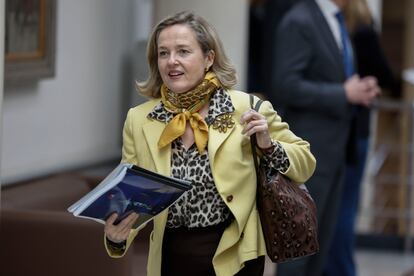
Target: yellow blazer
[{"x": 233, "y": 172}]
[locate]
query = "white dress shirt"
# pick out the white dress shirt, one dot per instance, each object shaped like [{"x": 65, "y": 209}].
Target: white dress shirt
[{"x": 329, "y": 9}]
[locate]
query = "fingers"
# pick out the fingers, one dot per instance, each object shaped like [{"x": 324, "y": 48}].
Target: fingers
[
  {"x": 119, "y": 232},
  {"x": 127, "y": 222},
  {"x": 371, "y": 96},
  {"x": 256, "y": 126},
  {"x": 370, "y": 80},
  {"x": 362, "y": 90},
  {"x": 111, "y": 219},
  {"x": 370, "y": 83},
  {"x": 255, "y": 122},
  {"x": 250, "y": 115},
  {"x": 354, "y": 77},
  {"x": 126, "y": 226},
  {"x": 372, "y": 90},
  {"x": 131, "y": 222}
]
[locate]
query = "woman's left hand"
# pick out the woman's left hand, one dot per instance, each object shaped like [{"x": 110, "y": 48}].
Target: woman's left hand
[{"x": 256, "y": 123}]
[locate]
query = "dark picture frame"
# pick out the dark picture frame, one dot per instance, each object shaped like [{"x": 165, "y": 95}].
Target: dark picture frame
[{"x": 30, "y": 33}]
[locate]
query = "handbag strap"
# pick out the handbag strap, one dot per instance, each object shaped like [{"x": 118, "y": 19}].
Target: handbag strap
[{"x": 253, "y": 140}]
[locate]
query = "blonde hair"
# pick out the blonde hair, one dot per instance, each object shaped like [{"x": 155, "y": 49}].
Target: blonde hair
[
  {"x": 357, "y": 13},
  {"x": 208, "y": 40}
]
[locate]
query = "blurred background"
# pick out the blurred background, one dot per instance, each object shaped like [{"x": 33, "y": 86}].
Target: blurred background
[{"x": 68, "y": 81}]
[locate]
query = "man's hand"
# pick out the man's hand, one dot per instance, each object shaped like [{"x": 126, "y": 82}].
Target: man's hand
[{"x": 361, "y": 91}]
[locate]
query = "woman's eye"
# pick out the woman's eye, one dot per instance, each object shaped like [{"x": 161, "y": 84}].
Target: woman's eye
[
  {"x": 183, "y": 51},
  {"x": 162, "y": 53}
]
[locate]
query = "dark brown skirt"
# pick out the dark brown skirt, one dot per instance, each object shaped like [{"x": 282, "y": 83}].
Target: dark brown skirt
[{"x": 190, "y": 252}]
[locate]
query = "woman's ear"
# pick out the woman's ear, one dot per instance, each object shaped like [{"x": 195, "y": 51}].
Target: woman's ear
[{"x": 210, "y": 58}]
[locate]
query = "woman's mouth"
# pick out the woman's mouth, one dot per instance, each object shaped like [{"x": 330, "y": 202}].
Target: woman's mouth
[{"x": 175, "y": 74}]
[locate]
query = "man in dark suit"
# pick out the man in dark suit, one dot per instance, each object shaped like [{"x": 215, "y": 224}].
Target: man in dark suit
[{"x": 315, "y": 87}]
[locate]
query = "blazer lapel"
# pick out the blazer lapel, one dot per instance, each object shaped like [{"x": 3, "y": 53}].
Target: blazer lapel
[
  {"x": 152, "y": 132},
  {"x": 215, "y": 140},
  {"x": 327, "y": 34}
]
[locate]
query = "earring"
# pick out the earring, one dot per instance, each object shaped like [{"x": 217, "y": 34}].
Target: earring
[{"x": 207, "y": 68}]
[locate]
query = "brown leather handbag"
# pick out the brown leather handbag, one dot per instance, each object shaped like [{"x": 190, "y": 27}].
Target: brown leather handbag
[{"x": 287, "y": 212}]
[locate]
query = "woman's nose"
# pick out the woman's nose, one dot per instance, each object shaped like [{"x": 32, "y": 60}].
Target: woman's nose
[{"x": 172, "y": 60}]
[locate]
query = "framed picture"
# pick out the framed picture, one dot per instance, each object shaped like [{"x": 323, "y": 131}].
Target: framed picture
[{"x": 30, "y": 40}]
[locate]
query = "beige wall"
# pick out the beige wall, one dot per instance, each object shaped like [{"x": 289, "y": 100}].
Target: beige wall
[
  {"x": 75, "y": 118},
  {"x": 230, "y": 19}
]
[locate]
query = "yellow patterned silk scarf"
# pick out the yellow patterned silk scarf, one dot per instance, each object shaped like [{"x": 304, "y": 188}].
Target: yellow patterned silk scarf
[{"x": 186, "y": 105}]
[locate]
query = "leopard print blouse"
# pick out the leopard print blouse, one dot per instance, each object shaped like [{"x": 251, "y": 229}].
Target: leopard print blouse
[{"x": 202, "y": 205}]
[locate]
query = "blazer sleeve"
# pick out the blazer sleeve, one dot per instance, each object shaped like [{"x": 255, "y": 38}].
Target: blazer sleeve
[
  {"x": 128, "y": 144},
  {"x": 300, "y": 73},
  {"x": 120, "y": 253},
  {"x": 302, "y": 162},
  {"x": 128, "y": 156}
]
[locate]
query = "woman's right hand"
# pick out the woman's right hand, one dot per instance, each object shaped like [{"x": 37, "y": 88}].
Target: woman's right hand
[{"x": 120, "y": 232}]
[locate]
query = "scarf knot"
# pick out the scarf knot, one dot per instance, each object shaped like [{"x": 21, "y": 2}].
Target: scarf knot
[{"x": 186, "y": 106}]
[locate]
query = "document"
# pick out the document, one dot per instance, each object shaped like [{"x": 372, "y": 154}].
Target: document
[{"x": 129, "y": 188}]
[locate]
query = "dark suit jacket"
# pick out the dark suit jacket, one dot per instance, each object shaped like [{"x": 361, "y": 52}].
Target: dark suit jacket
[{"x": 308, "y": 84}]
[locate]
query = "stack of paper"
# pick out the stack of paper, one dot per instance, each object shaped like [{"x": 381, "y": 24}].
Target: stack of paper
[{"x": 129, "y": 188}]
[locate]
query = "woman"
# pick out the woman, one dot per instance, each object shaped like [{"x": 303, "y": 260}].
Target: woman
[{"x": 214, "y": 229}]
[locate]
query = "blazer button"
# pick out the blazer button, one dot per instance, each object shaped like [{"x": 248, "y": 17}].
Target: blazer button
[{"x": 229, "y": 198}]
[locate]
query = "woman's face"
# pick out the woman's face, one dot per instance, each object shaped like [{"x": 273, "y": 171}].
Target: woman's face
[{"x": 181, "y": 62}]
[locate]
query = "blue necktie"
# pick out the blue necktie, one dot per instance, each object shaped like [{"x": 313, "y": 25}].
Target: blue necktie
[{"x": 346, "y": 49}]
